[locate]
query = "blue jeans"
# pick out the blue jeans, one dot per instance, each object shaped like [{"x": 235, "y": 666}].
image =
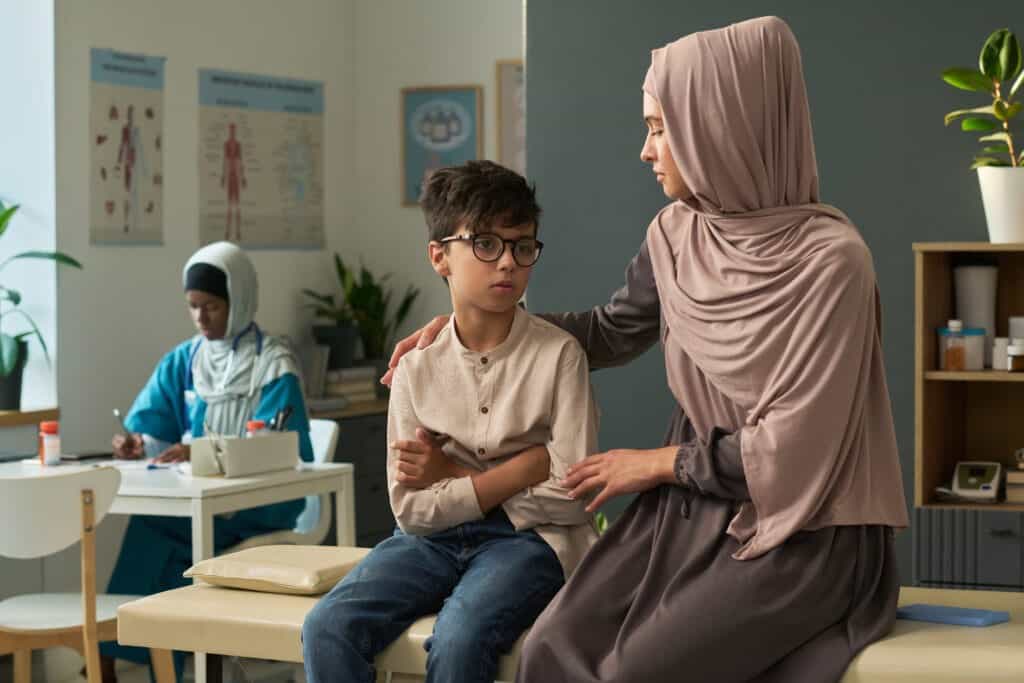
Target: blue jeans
[{"x": 486, "y": 582}]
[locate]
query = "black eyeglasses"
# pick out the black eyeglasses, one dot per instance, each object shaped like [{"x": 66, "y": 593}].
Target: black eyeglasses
[{"x": 489, "y": 247}]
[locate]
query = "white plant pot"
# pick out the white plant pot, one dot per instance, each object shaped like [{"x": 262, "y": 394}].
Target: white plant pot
[{"x": 1002, "y": 192}]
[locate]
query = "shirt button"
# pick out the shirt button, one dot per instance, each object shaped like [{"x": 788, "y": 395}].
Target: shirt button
[
  {"x": 484, "y": 360},
  {"x": 480, "y": 451},
  {"x": 484, "y": 410}
]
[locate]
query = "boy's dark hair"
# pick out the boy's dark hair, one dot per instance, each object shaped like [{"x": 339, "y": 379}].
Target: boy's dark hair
[{"x": 479, "y": 194}]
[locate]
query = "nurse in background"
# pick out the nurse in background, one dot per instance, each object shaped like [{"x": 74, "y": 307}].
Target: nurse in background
[{"x": 227, "y": 374}]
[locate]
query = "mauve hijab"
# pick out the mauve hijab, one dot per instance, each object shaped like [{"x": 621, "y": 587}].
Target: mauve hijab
[{"x": 769, "y": 298}]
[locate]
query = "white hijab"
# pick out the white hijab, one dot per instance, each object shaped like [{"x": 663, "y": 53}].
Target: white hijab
[{"x": 229, "y": 373}]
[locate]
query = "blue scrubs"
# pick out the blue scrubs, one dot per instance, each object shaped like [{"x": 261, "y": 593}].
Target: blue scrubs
[{"x": 157, "y": 550}]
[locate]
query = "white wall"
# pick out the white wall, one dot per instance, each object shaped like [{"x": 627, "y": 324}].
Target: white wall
[
  {"x": 401, "y": 43},
  {"x": 27, "y": 178}
]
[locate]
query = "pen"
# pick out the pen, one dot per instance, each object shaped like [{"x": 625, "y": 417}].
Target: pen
[
  {"x": 120, "y": 422},
  {"x": 282, "y": 418}
]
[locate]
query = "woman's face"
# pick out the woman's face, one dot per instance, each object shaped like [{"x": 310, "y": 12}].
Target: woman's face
[
  {"x": 657, "y": 153},
  {"x": 209, "y": 313}
]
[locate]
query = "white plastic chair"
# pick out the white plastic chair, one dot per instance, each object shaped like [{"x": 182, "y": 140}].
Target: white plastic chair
[
  {"x": 315, "y": 521},
  {"x": 45, "y": 510}
]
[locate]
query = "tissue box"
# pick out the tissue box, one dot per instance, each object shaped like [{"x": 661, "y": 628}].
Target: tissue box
[{"x": 234, "y": 456}]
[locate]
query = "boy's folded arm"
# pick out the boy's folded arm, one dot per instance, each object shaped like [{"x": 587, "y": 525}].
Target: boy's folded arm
[
  {"x": 504, "y": 481},
  {"x": 444, "y": 505},
  {"x": 447, "y": 503},
  {"x": 574, "y": 423}
]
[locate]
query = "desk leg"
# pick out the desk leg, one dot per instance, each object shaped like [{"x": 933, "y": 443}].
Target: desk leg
[
  {"x": 202, "y": 549},
  {"x": 345, "y": 511}
]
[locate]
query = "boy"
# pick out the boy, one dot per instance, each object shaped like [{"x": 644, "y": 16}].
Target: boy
[{"x": 482, "y": 425}]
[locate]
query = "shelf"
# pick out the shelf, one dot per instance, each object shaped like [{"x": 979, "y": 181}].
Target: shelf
[
  {"x": 967, "y": 246},
  {"x": 973, "y": 376},
  {"x": 377, "y": 407},
  {"x": 19, "y": 418},
  {"x": 995, "y": 507}
]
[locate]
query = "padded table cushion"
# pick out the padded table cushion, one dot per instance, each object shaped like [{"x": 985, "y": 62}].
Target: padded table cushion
[
  {"x": 268, "y": 626},
  {"x": 228, "y": 621}
]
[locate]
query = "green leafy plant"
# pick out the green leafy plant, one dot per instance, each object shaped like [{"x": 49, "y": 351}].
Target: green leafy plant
[
  {"x": 366, "y": 300},
  {"x": 325, "y": 306},
  {"x": 1000, "y": 74},
  {"x": 11, "y": 298}
]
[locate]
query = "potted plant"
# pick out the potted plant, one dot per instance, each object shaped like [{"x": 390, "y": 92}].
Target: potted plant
[
  {"x": 14, "y": 347},
  {"x": 370, "y": 302},
  {"x": 1000, "y": 164},
  {"x": 340, "y": 335}
]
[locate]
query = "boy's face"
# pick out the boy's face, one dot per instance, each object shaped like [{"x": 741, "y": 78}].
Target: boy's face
[{"x": 494, "y": 287}]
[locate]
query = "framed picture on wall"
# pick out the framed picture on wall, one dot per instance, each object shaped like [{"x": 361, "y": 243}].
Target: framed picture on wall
[
  {"x": 441, "y": 126},
  {"x": 511, "y": 108}
]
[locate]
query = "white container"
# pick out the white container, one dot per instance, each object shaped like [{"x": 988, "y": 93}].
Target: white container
[
  {"x": 1016, "y": 327},
  {"x": 976, "y": 301},
  {"x": 238, "y": 456},
  {"x": 999, "y": 345},
  {"x": 1002, "y": 193}
]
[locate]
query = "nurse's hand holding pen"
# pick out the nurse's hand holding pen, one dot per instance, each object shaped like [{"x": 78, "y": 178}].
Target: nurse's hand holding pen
[{"x": 128, "y": 446}]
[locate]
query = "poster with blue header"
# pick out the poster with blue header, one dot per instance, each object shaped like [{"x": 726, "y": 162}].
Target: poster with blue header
[
  {"x": 441, "y": 126},
  {"x": 261, "y": 160},
  {"x": 126, "y": 148}
]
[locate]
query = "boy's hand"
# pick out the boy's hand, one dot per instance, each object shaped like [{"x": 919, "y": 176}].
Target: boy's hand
[
  {"x": 420, "y": 339},
  {"x": 620, "y": 471},
  {"x": 422, "y": 463}
]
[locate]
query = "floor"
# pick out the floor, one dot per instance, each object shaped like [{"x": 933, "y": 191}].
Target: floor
[{"x": 61, "y": 665}]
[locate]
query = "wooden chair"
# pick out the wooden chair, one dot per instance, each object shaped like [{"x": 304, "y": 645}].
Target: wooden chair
[{"x": 45, "y": 510}]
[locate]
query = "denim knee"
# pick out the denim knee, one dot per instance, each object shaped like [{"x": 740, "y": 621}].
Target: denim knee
[
  {"x": 326, "y": 622},
  {"x": 467, "y": 642}
]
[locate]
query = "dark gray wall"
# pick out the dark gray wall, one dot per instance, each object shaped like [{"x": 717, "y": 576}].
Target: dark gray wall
[{"x": 884, "y": 157}]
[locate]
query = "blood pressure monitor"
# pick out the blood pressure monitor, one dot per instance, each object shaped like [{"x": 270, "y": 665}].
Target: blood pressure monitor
[{"x": 977, "y": 480}]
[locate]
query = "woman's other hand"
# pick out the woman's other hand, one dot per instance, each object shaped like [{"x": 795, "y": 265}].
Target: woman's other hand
[
  {"x": 614, "y": 473},
  {"x": 420, "y": 339},
  {"x": 179, "y": 452},
  {"x": 128, "y": 446}
]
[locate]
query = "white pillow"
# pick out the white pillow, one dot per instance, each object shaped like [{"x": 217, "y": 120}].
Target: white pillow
[{"x": 291, "y": 569}]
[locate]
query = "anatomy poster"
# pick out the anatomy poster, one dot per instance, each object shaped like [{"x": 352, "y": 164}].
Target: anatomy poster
[
  {"x": 126, "y": 148},
  {"x": 260, "y": 160}
]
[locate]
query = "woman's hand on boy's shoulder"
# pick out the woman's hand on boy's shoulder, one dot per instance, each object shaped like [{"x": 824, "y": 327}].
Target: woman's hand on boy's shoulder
[
  {"x": 420, "y": 339},
  {"x": 422, "y": 463}
]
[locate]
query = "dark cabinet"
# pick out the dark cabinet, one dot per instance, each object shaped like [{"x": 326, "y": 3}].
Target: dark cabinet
[
  {"x": 969, "y": 549},
  {"x": 362, "y": 441}
]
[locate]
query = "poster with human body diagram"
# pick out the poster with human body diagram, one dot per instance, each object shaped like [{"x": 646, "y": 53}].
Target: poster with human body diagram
[
  {"x": 126, "y": 148},
  {"x": 260, "y": 160}
]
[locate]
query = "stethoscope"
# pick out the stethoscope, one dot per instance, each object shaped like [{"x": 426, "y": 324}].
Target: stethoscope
[{"x": 189, "y": 383}]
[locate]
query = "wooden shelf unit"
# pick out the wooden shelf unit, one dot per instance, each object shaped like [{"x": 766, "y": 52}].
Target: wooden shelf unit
[{"x": 962, "y": 415}]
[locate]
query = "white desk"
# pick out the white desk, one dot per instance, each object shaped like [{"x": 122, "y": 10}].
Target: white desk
[{"x": 170, "y": 493}]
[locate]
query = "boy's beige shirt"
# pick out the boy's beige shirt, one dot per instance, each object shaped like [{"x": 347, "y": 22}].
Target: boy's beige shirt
[{"x": 532, "y": 389}]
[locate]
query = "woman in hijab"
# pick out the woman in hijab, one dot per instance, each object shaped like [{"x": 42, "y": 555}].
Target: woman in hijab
[
  {"x": 760, "y": 547},
  {"x": 227, "y": 374}
]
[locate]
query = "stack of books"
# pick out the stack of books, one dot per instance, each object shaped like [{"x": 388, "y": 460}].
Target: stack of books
[
  {"x": 356, "y": 384},
  {"x": 1015, "y": 486}
]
